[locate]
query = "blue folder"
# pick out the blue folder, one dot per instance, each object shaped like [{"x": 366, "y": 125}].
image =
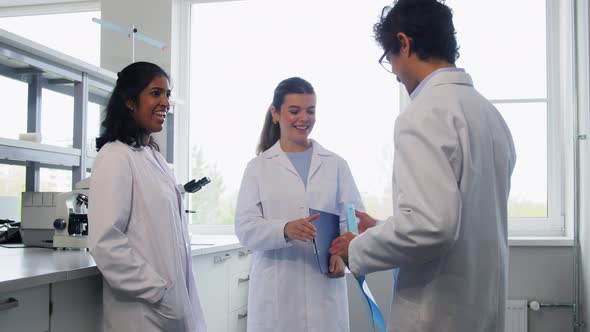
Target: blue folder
[{"x": 328, "y": 229}]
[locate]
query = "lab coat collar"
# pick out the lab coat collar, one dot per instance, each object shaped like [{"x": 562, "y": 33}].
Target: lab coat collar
[
  {"x": 316, "y": 160},
  {"x": 449, "y": 77},
  {"x": 277, "y": 152},
  {"x": 158, "y": 160},
  {"x": 164, "y": 165}
]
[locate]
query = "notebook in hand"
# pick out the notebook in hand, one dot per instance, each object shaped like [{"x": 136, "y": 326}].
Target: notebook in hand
[{"x": 328, "y": 229}]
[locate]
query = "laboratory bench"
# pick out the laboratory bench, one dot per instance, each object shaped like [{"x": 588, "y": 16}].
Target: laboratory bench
[{"x": 61, "y": 290}]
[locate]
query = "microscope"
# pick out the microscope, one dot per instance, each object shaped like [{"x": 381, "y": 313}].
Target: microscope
[
  {"x": 193, "y": 186},
  {"x": 71, "y": 213},
  {"x": 71, "y": 218}
]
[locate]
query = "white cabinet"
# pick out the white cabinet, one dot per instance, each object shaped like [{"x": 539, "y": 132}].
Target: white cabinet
[
  {"x": 72, "y": 305},
  {"x": 222, "y": 279},
  {"x": 237, "y": 320},
  {"x": 211, "y": 277},
  {"x": 25, "y": 310},
  {"x": 238, "y": 290},
  {"x": 77, "y": 305}
]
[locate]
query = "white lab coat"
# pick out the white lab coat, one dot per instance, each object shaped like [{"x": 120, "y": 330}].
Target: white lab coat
[
  {"x": 287, "y": 291},
  {"x": 453, "y": 160},
  {"x": 139, "y": 240}
]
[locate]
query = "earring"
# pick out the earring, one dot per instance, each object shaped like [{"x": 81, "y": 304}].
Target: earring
[{"x": 275, "y": 121}]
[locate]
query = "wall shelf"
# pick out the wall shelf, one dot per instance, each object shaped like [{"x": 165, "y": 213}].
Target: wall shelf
[
  {"x": 43, "y": 68},
  {"x": 16, "y": 150}
]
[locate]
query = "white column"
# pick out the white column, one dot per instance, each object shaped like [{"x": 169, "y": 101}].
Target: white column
[{"x": 152, "y": 18}]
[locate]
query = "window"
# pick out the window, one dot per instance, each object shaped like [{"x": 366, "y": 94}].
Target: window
[
  {"x": 11, "y": 126},
  {"x": 57, "y": 115},
  {"x": 235, "y": 68},
  {"x": 54, "y": 31},
  {"x": 16, "y": 185},
  {"x": 58, "y": 180},
  {"x": 57, "y": 118},
  {"x": 12, "y": 184},
  {"x": 73, "y": 34},
  {"x": 239, "y": 54},
  {"x": 513, "y": 63},
  {"x": 93, "y": 128}
]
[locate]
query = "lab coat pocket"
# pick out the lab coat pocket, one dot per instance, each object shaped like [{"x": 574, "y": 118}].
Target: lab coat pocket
[{"x": 169, "y": 306}]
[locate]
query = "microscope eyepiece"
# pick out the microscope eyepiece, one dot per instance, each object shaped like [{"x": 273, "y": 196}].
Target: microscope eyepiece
[{"x": 193, "y": 186}]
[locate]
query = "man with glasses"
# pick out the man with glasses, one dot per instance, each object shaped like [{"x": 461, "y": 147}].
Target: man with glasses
[{"x": 453, "y": 161}]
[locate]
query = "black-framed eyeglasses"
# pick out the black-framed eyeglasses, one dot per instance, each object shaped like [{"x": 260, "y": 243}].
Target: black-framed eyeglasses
[{"x": 384, "y": 61}]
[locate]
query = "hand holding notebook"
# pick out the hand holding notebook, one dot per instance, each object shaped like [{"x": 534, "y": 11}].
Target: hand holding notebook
[{"x": 328, "y": 228}]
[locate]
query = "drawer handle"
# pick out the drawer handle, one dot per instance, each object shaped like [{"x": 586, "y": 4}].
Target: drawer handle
[
  {"x": 244, "y": 315},
  {"x": 241, "y": 280},
  {"x": 11, "y": 302},
  {"x": 220, "y": 259},
  {"x": 244, "y": 253}
]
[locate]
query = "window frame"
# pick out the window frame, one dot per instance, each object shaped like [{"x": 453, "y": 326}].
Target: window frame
[
  {"x": 560, "y": 109},
  {"x": 182, "y": 35}
]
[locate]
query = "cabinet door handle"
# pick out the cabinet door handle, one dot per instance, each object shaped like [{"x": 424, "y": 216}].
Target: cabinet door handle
[
  {"x": 220, "y": 259},
  {"x": 244, "y": 315},
  {"x": 241, "y": 280},
  {"x": 244, "y": 253},
  {"x": 11, "y": 302}
]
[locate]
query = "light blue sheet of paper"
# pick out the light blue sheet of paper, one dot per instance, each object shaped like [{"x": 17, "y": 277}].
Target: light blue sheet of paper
[{"x": 351, "y": 223}]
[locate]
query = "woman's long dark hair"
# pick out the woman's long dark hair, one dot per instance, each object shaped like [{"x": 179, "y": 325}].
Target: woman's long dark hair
[
  {"x": 271, "y": 132},
  {"x": 118, "y": 123}
]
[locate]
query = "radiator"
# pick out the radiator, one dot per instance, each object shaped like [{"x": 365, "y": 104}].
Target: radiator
[{"x": 516, "y": 316}]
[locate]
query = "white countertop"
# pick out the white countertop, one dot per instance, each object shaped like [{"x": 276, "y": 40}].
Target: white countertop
[
  {"x": 206, "y": 244},
  {"x": 30, "y": 267}
]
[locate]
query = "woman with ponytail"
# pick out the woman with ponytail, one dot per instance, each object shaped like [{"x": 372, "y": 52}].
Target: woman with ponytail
[{"x": 291, "y": 174}]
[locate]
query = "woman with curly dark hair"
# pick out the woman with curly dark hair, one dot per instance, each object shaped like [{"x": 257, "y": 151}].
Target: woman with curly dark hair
[{"x": 138, "y": 232}]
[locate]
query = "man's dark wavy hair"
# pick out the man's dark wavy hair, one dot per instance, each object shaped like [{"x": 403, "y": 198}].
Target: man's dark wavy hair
[{"x": 429, "y": 24}]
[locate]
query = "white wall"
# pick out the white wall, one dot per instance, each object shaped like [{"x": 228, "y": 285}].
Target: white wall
[
  {"x": 583, "y": 82},
  {"x": 544, "y": 274}
]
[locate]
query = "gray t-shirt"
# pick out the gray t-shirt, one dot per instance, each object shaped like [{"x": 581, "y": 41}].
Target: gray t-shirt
[{"x": 301, "y": 162}]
